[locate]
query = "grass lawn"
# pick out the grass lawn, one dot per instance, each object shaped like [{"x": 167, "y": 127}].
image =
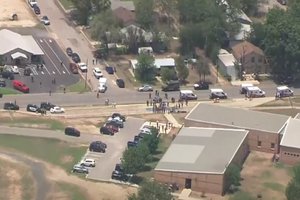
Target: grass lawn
[
  {"x": 34, "y": 121},
  {"x": 67, "y": 4},
  {"x": 51, "y": 150},
  {"x": 4, "y": 91},
  {"x": 241, "y": 195},
  {"x": 79, "y": 87}
]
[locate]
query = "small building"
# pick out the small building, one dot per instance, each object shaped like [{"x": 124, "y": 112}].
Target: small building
[
  {"x": 264, "y": 128},
  {"x": 290, "y": 143},
  {"x": 227, "y": 64},
  {"x": 199, "y": 157},
  {"x": 138, "y": 32},
  {"x": 251, "y": 57},
  {"x": 129, "y": 5},
  {"x": 158, "y": 63},
  {"x": 16, "y": 49},
  {"x": 125, "y": 16}
]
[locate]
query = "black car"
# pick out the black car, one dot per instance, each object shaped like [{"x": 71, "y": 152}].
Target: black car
[
  {"x": 116, "y": 123},
  {"x": 118, "y": 175},
  {"x": 8, "y": 75},
  {"x": 10, "y": 106},
  {"x": 137, "y": 138},
  {"x": 47, "y": 105},
  {"x": 120, "y": 83},
  {"x": 72, "y": 131},
  {"x": 119, "y": 168},
  {"x": 106, "y": 131},
  {"x": 76, "y": 58},
  {"x": 69, "y": 51},
  {"x": 119, "y": 115},
  {"x": 27, "y": 71},
  {"x": 110, "y": 70},
  {"x": 2, "y": 83},
  {"x": 33, "y": 108},
  {"x": 201, "y": 85},
  {"x": 98, "y": 146},
  {"x": 36, "y": 9},
  {"x": 132, "y": 144}
]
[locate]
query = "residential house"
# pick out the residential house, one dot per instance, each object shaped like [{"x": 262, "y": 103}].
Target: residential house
[{"x": 251, "y": 58}]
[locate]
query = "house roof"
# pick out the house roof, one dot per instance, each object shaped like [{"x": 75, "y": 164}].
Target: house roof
[
  {"x": 125, "y": 4},
  {"x": 148, "y": 36},
  {"x": 124, "y": 15},
  {"x": 244, "y": 48},
  {"x": 237, "y": 117},
  {"x": 158, "y": 62},
  {"x": 202, "y": 150},
  {"x": 227, "y": 59},
  {"x": 291, "y": 134},
  {"x": 10, "y": 41},
  {"x": 244, "y": 32}
]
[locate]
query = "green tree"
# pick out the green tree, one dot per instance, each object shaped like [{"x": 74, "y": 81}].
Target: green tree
[
  {"x": 202, "y": 67},
  {"x": 292, "y": 191},
  {"x": 144, "y": 13},
  {"x": 232, "y": 176},
  {"x": 135, "y": 158},
  {"x": 151, "y": 190},
  {"x": 151, "y": 140},
  {"x": 145, "y": 69},
  {"x": 84, "y": 9},
  {"x": 182, "y": 70},
  {"x": 167, "y": 74},
  {"x": 249, "y": 6}
]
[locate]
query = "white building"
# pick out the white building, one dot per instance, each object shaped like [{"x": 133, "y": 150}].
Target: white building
[
  {"x": 158, "y": 63},
  {"x": 227, "y": 64}
]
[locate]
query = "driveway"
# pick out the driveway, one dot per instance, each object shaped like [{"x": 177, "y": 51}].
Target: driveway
[{"x": 105, "y": 162}]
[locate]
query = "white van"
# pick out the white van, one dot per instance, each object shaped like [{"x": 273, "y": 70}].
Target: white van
[
  {"x": 187, "y": 95},
  {"x": 217, "y": 94},
  {"x": 284, "y": 91},
  {"x": 244, "y": 86},
  {"x": 102, "y": 85},
  {"x": 255, "y": 91}
]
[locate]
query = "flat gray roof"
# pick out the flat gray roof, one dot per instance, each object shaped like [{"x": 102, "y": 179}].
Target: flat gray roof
[
  {"x": 291, "y": 134},
  {"x": 237, "y": 117},
  {"x": 202, "y": 150}
]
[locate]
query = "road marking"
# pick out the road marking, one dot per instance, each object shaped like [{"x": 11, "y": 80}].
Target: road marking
[
  {"x": 33, "y": 70},
  {"x": 63, "y": 72},
  {"x": 58, "y": 57},
  {"x": 53, "y": 72},
  {"x": 49, "y": 57},
  {"x": 50, "y": 41},
  {"x": 44, "y": 67},
  {"x": 42, "y": 72},
  {"x": 41, "y": 40}
]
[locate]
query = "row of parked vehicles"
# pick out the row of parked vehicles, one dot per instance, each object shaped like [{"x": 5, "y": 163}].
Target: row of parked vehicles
[
  {"x": 113, "y": 124},
  {"x": 44, "y": 106}
]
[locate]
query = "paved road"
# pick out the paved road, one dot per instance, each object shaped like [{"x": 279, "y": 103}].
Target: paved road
[{"x": 38, "y": 173}]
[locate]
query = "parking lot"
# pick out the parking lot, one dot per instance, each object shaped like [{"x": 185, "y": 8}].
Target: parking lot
[
  {"x": 54, "y": 74},
  {"x": 105, "y": 162}
]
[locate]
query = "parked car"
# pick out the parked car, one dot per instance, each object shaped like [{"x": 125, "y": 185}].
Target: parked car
[
  {"x": 80, "y": 169},
  {"x": 217, "y": 94},
  {"x": 2, "y": 82},
  {"x": 32, "y": 2},
  {"x": 69, "y": 51},
  {"x": 120, "y": 83},
  {"x": 57, "y": 109},
  {"x": 116, "y": 123},
  {"x": 47, "y": 105},
  {"x": 115, "y": 119},
  {"x": 76, "y": 58},
  {"x": 109, "y": 69},
  {"x": 15, "y": 69},
  {"x": 201, "y": 85},
  {"x": 72, "y": 131},
  {"x": 74, "y": 68},
  {"x": 82, "y": 67},
  {"x": 98, "y": 146},
  {"x": 45, "y": 20},
  {"x": 88, "y": 162},
  {"x": 9, "y": 75},
  {"x": 36, "y": 9},
  {"x": 32, "y": 108},
  {"x": 243, "y": 89},
  {"x": 27, "y": 71},
  {"x": 18, "y": 85},
  {"x": 119, "y": 168},
  {"x": 132, "y": 144},
  {"x": 97, "y": 72},
  {"x": 115, "y": 129},
  {"x": 282, "y": 2},
  {"x": 145, "y": 88},
  {"x": 114, "y": 115},
  {"x": 187, "y": 95},
  {"x": 10, "y": 106},
  {"x": 118, "y": 175},
  {"x": 107, "y": 131}
]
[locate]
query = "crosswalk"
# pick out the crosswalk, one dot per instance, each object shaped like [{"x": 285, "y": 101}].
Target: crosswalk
[{"x": 36, "y": 71}]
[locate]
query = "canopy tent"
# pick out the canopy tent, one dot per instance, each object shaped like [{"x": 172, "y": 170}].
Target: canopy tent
[{"x": 18, "y": 55}]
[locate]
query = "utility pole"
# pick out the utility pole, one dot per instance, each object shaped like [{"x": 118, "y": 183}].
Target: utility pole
[{"x": 85, "y": 82}]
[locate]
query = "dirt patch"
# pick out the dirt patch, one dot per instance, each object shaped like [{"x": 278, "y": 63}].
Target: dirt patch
[
  {"x": 26, "y": 18},
  {"x": 67, "y": 159},
  {"x": 13, "y": 179}
]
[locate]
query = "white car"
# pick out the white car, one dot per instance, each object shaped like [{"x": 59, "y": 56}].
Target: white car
[
  {"x": 97, "y": 72},
  {"x": 114, "y": 119},
  {"x": 32, "y": 2},
  {"x": 15, "y": 70},
  {"x": 88, "y": 162},
  {"x": 145, "y": 88},
  {"x": 57, "y": 109},
  {"x": 82, "y": 67},
  {"x": 45, "y": 20}
]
